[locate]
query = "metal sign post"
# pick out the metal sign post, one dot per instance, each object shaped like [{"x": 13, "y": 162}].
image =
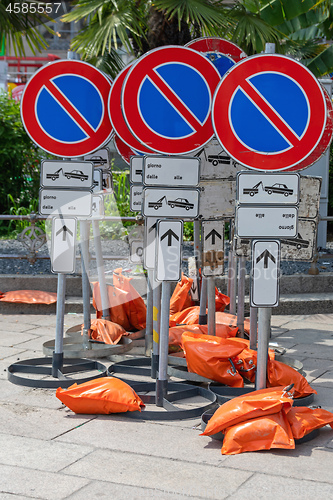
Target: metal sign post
[
  {"x": 203, "y": 302},
  {"x": 101, "y": 271},
  {"x": 58, "y": 354},
  {"x": 84, "y": 250},
  {"x": 149, "y": 314},
  {"x": 241, "y": 295},
  {"x": 168, "y": 269},
  {"x": 156, "y": 328},
  {"x": 264, "y": 295},
  {"x": 211, "y": 305}
]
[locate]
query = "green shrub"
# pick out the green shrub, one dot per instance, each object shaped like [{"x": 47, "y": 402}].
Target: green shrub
[{"x": 19, "y": 162}]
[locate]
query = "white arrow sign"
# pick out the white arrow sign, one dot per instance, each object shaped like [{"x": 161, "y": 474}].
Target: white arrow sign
[
  {"x": 265, "y": 273},
  {"x": 63, "y": 242},
  {"x": 213, "y": 247},
  {"x": 150, "y": 242},
  {"x": 168, "y": 250}
]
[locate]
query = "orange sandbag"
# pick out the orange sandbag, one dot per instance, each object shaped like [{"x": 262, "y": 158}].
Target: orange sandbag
[
  {"x": 181, "y": 298},
  {"x": 246, "y": 361},
  {"x": 176, "y": 332},
  {"x": 190, "y": 316},
  {"x": 116, "y": 300},
  {"x": 210, "y": 357},
  {"x": 100, "y": 396},
  {"x": 281, "y": 374},
  {"x": 252, "y": 405},
  {"x": 135, "y": 307},
  {"x": 106, "y": 331},
  {"x": 304, "y": 420},
  {"x": 263, "y": 433},
  {"x": 221, "y": 300},
  {"x": 29, "y": 297}
]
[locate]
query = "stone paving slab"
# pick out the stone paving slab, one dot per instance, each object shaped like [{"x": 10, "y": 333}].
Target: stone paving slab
[
  {"x": 174, "y": 476},
  {"x": 39, "y": 423},
  {"x": 98, "y": 490},
  {"x": 269, "y": 486},
  {"x": 36, "y": 484},
  {"x": 48, "y": 452}
]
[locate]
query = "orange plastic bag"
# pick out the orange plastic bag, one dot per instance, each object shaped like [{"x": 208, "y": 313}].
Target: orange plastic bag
[
  {"x": 221, "y": 300},
  {"x": 210, "y": 357},
  {"x": 100, "y": 396},
  {"x": 176, "y": 332},
  {"x": 281, "y": 374},
  {"x": 263, "y": 433},
  {"x": 181, "y": 298},
  {"x": 106, "y": 331},
  {"x": 246, "y": 361},
  {"x": 116, "y": 300},
  {"x": 190, "y": 316},
  {"x": 304, "y": 420},
  {"x": 252, "y": 405},
  {"x": 135, "y": 307},
  {"x": 29, "y": 297}
]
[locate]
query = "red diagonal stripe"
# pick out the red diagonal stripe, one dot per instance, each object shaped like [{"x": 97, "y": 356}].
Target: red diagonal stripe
[
  {"x": 270, "y": 113},
  {"x": 174, "y": 100},
  {"x": 71, "y": 110}
]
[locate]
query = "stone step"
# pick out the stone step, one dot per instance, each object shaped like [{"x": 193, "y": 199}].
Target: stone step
[{"x": 304, "y": 303}]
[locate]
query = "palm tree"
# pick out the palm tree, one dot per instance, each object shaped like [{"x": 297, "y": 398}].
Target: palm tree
[
  {"x": 15, "y": 26},
  {"x": 297, "y": 27}
]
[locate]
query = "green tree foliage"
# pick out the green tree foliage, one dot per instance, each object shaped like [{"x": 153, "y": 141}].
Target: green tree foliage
[
  {"x": 19, "y": 159},
  {"x": 298, "y": 27},
  {"x": 15, "y": 24}
]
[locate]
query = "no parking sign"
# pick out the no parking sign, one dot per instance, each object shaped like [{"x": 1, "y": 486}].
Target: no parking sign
[
  {"x": 166, "y": 99},
  {"x": 64, "y": 108},
  {"x": 269, "y": 112}
]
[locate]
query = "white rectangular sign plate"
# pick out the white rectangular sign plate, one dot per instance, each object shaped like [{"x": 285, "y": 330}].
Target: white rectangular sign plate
[
  {"x": 265, "y": 273},
  {"x": 309, "y": 197},
  {"x": 136, "y": 251},
  {"x": 63, "y": 242},
  {"x": 296, "y": 249},
  {"x": 171, "y": 171},
  {"x": 66, "y": 174},
  {"x": 65, "y": 202},
  {"x": 150, "y": 242},
  {"x": 267, "y": 189},
  {"x": 136, "y": 197},
  {"x": 216, "y": 163},
  {"x": 266, "y": 222},
  {"x": 98, "y": 180},
  {"x": 100, "y": 158},
  {"x": 136, "y": 169},
  {"x": 217, "y": 199},
  {"x": 213, "y": 247},
  {"x": 168, "y": 250},
  {"x": 97, "y": 208},
  {"x": 179, "y": 203}
]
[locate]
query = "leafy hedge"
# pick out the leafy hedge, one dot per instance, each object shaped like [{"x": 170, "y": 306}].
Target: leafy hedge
[{"x": 19, "y": 161}]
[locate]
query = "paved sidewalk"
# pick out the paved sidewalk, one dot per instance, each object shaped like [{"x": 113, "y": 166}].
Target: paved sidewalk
[{"x": 48, "y": 452}]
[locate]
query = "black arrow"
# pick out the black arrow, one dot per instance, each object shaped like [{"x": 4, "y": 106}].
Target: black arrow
[
  {"x": 266, "y": 255},
  {"x": 170, "y": 234},
  {"x": 152, "y": 227},
  {"x": 64, "y": 231},
  {"x": 213, "y": 234}
]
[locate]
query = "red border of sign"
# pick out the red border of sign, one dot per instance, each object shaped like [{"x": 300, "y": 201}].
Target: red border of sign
[
  {"x": 217, "y": 44},
  {"x": 124, "y": 150},
  {"x": 116, "y": 115},
  {"x": 223, "y": 99},
  {"x": 131, "y": 89},
  {"x": 30, "y": 97},
  {"x": 324, "y": 141}
]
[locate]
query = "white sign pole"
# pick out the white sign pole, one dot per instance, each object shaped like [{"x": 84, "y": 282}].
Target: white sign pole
[
  {"x": 156, "y": 328},
  {"x": 100, "y": 270},
  {"x": 211, "y": 305},
  {"x": 168, "y": 269},
  {"x": 84, "y": 250},
  {"x": 149, "y": 314},
  {"x": 241, "y": 295}
]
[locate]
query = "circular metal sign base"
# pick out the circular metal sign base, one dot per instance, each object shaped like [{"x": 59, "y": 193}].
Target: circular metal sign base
[
  {"x": 73, "y": 347},
  {"x": 22, "y": 372}
]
